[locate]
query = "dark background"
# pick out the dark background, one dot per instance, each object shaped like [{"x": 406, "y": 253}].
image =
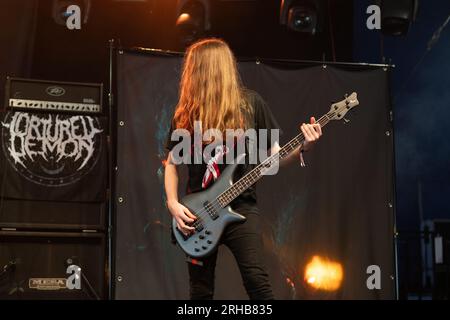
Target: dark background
[{"x": 32, "y": 44}]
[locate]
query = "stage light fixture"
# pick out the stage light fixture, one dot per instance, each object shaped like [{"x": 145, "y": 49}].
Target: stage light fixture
[
  {"x": 299, "y": 15},
  {"x": 193, "y": 20},
  {"x": 397, "y": 16}
]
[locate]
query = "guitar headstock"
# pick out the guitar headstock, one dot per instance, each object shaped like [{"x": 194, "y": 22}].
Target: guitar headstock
[{"x": 339, "y": 109}]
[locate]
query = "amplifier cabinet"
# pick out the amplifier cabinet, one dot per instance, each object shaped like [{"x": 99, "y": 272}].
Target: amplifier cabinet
[
  {"x": 57, "y": 96},
  {"x": 52, "y": 265}
]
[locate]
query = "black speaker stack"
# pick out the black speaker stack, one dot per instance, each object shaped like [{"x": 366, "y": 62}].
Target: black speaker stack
[{"x": 53, "y": 187}]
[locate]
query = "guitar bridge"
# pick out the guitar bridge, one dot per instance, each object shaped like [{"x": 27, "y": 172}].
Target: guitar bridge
[{"x": 185, "y": 237}]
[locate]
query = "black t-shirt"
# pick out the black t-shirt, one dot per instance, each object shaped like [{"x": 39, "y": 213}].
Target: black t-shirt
[{"x": 262, "y": 119}]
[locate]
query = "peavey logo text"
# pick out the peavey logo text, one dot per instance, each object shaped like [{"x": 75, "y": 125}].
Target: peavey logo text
[
  {"x": 55, "y": 91},
  {"x": 51, "y": 149}
]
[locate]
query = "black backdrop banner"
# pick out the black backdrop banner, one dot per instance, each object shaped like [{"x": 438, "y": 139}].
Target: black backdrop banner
[{"x": 336, "y": 214}]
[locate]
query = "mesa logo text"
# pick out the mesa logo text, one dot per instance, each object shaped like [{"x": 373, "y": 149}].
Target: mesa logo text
[{"x": 73, "y": 281}]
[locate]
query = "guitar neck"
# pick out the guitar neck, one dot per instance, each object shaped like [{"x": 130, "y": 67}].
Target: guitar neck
[{"x": 256, "y": 173}]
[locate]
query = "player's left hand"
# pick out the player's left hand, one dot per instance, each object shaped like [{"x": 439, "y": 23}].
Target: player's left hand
[{"x": 312, "y": 132}]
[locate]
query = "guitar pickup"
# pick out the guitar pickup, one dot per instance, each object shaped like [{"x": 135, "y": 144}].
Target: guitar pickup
[
  {"x": 211, "y": 209},
  {"x": 198, "y": 228}
]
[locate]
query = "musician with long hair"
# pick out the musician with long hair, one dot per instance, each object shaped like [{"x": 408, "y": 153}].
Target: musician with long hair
[{"x": 211, "y": 92}]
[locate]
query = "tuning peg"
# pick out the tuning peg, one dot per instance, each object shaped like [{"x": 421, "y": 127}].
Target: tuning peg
[
  {"x": 347, "y": 102},
  {"x": 345, "y": 120}
]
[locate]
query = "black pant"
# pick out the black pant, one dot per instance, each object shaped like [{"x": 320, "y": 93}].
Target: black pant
[{"x": 245, "y": 242}]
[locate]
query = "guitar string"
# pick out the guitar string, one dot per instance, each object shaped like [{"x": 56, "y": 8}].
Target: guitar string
[
  {"x": 234, "y": 194},
  {"x": 202, "y": 214},
  {"x": 283, "y": 152},
  {"x": 244, "y": 181}
]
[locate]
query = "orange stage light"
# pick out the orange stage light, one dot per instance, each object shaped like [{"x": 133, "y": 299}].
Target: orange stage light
[{"x": 323, "y": 274}]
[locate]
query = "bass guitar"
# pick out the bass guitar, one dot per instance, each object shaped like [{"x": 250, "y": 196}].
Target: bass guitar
[{"x": 212, "y": 206}]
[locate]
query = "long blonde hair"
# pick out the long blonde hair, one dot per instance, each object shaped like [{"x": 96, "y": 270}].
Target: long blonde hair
[{"x": 211, "y": 89}]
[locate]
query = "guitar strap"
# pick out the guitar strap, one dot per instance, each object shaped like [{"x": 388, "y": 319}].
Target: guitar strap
[
  {"x": 212, "y": 167},
  {"x": 194, "y": 261}
]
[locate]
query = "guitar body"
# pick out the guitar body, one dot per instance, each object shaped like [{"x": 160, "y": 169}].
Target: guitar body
[{"x": 213, "y": 218}]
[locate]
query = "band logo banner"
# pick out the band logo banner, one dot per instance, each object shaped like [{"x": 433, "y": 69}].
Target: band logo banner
[{"x": 49, "y": 156}]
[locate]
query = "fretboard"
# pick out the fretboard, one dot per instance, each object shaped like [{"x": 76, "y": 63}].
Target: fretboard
[{"x": 261, "y": 169}]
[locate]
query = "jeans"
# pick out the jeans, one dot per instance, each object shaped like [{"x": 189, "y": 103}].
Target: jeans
[{"x": 245, "y": 242}]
